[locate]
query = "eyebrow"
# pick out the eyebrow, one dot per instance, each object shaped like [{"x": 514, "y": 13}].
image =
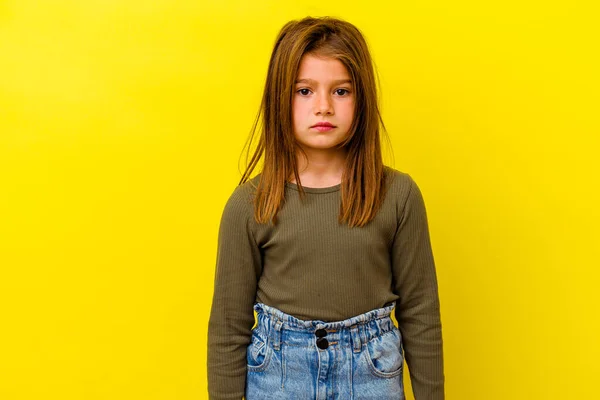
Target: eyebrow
[{"x": 336, "y": 82}]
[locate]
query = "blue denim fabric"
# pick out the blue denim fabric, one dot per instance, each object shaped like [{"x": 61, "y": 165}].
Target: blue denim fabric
[{"x": 363, "y": 358}]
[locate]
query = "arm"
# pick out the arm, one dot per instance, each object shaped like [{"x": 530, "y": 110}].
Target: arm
[
  {"x": 238, "y": 269},
  {"x": 418, "y": 309}
]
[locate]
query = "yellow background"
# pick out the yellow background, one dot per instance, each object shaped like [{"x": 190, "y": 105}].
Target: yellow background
[{"x": 121, "y": 125}]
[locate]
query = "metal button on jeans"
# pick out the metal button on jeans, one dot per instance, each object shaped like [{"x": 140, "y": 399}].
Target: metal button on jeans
[
  {"x": 320, "y": 333},
  {"x": 322, "y": 343}
]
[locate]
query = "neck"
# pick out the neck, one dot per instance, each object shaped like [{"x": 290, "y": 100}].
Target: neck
[{"x": 320, "y": 168}]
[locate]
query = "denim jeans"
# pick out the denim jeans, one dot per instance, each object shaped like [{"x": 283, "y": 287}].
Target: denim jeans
[{"x": 357, "y": 358}]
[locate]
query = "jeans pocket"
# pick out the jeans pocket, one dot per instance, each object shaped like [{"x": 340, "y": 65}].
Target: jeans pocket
[
  {"x": 258, "y": 353},
  {"x": 384, "y": 354}
]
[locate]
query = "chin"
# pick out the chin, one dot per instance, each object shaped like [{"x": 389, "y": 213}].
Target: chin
[{"x": 320, "y": 146}]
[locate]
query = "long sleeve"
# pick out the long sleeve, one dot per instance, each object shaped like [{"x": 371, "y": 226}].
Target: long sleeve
[
  {"x": 238, "y": 268},
  {"x": 418, "y": 309}
]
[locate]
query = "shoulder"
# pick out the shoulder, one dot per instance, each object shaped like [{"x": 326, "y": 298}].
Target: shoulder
[
  {"x": 240, "y": 201},
  {"x": 245, "y": 191},
  {"x": 405, "y": 192},
  {"x": 399, "y": 182}
]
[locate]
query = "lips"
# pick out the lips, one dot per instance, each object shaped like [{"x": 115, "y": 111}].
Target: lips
[{"x": 323, "y": 124}]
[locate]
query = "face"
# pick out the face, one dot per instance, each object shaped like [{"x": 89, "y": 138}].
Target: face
[{"x": 323, "y": 93}]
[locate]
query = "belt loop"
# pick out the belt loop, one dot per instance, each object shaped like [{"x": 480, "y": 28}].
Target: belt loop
[
  {"x": 363, "y": 333},
  {"x": 356, "y": 342},
  {"x": 277, "y": 334}
]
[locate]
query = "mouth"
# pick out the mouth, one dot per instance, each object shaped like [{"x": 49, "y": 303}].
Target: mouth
[
  {"x": 323, "y": 128},
  {"x": 323, "y": 125}
]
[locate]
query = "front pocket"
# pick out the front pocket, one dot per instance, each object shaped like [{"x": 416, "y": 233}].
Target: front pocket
[
  {"x": 258, "y": 353},
  {"x": 385, "y": 355}
]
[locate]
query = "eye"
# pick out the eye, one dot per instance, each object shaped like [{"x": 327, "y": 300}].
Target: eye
[{"x": 340, "y": 92}]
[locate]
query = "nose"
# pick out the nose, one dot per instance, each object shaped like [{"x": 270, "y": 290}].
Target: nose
[{"x": 323, "y": 104}]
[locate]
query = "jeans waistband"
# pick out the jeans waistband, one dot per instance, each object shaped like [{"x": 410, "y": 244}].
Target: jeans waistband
[{"x": 355, "y": 331}]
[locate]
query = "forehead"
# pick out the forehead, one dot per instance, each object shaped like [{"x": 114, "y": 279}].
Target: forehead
[{"x": 321, "y": 70}]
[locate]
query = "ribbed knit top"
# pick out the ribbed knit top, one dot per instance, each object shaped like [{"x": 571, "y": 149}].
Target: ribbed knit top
[{"x": 312, "y": 267}]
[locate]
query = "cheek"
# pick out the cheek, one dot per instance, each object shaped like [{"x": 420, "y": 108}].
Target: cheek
[
  {"x": 299, "y": 107},
  {"x": 349, "y": 112},
  {"x": 299, "y": 113}
]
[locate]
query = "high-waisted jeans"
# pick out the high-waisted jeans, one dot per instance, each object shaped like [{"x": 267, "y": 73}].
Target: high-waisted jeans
[{"x": 357, "y": 358}]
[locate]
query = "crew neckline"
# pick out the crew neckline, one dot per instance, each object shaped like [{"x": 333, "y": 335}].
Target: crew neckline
[{"x": 307, "y": 189}]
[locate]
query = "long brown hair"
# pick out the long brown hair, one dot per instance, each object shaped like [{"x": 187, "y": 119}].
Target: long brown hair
[{"x": 363, "y": 180}]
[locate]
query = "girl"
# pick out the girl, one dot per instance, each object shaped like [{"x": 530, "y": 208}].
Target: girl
[{"x": 324, "y": 243}]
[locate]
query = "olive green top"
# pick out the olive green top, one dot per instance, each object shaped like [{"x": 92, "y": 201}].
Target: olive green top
[{"x": 312, "y": 267}]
